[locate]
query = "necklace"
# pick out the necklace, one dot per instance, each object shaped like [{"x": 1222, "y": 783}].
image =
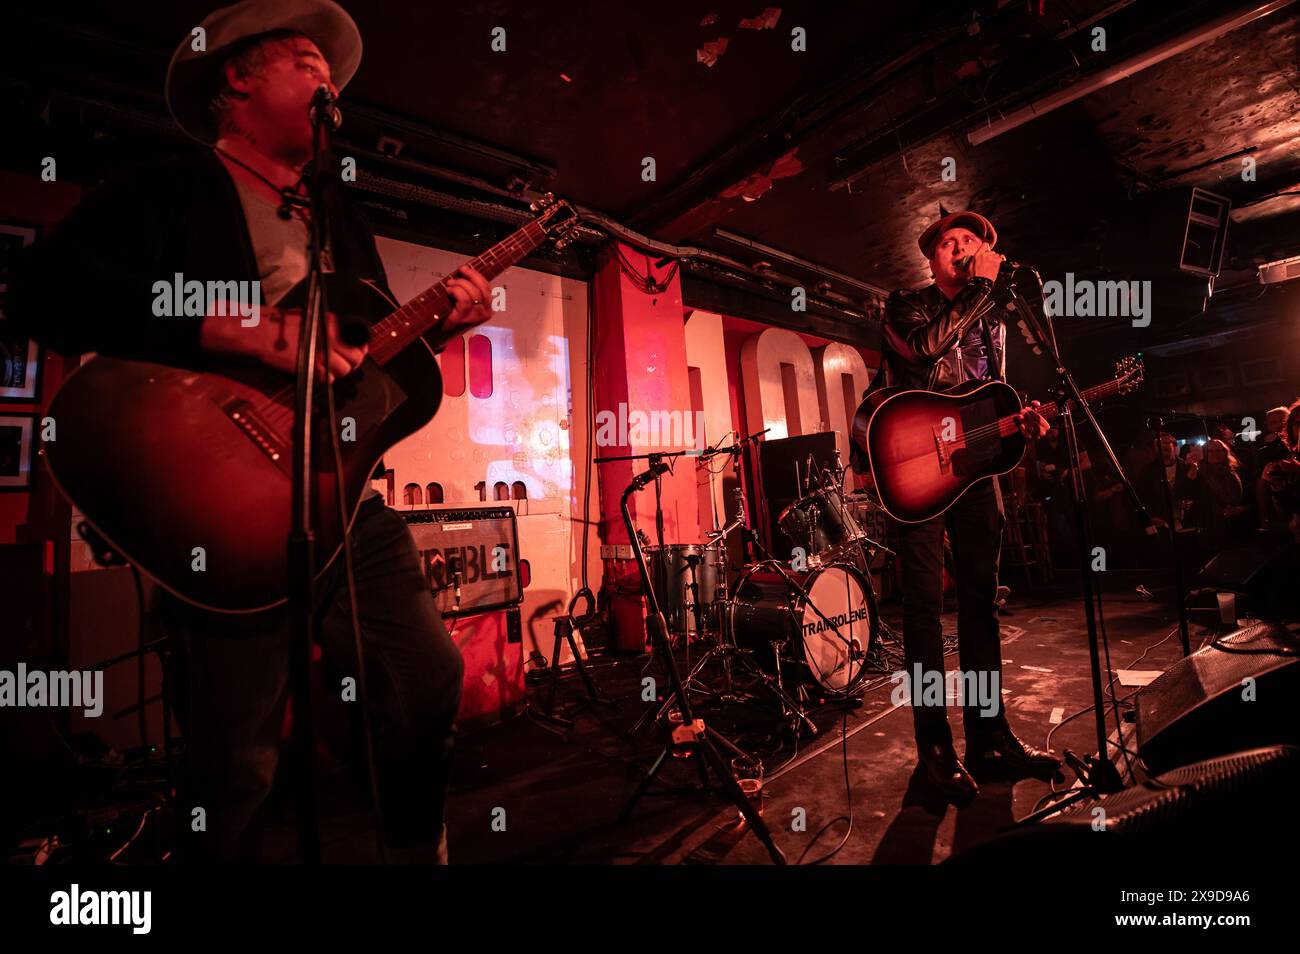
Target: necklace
[{"x": 290, "y": 197}]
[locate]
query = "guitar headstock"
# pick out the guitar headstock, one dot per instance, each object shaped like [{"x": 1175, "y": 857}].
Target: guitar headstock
[
  {"x": 1128, "y": 372},
  {"x": 557, "y": 218}
]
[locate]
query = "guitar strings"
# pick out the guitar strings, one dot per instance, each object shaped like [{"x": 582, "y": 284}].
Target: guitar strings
[
  {"x": 277, "y": 414},
  {"x": 984, "y": 430}
]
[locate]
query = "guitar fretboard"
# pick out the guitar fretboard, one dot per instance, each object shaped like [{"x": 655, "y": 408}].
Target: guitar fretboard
[
  {"x": 391, "y": 335},
  {"x": 1009, "y": 425}
]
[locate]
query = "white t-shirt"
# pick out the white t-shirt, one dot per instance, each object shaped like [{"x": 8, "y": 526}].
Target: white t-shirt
[{"x": 280, "y": 246}]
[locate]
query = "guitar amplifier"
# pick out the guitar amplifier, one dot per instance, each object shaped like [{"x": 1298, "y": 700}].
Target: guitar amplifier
[{"x": 475, "y": 550}]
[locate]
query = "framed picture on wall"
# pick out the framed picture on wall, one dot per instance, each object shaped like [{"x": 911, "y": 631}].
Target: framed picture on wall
[
  {"x": 20, "y": 364},
  {"x": 20, "y": 356},
  {"x": 17, "y": 448}
]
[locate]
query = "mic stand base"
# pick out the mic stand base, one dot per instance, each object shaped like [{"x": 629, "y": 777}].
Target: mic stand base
[{"x": 692, "y": 738}]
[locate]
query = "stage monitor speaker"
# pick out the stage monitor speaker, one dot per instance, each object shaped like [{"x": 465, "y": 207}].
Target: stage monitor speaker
[
  {"x": 1209, "y": 809},
  {"x": 1239, "y": 692},
  {"x": 782, "y": 473},
  {"x": 1264, "y": 571},
  {"x": 475, "y": 549}
]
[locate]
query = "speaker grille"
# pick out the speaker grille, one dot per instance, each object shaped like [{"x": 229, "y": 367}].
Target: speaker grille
[
  {"x": 1192, "y": 793},
  {"x": 1172, "y": 704}
]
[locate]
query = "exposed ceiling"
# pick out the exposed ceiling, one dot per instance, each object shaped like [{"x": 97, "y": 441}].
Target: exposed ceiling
[{"x": 833, "y": 154}]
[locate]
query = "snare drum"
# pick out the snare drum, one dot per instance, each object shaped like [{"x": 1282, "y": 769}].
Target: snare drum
[
  {"x": 826, "y": 648},
  {"x": 671, "y": 570}
]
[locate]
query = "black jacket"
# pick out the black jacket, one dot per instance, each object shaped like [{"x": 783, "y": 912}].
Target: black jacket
[
  {"x": 1150, "y": 485},
  {"x": 921, "y": 344},
  {"x": 88, "y": 286}
]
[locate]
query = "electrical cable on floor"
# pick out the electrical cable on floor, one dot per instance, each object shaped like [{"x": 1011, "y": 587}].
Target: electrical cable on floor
[
  {"x": 1117, "y": 701},
  {"x": 848, "y": 794},
  {"x": 1047, "y": 742},
  {"x": 589, "y": 424}
]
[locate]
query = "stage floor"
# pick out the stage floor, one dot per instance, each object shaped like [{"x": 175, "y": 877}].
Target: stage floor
[{"x": 559, "y": 799}]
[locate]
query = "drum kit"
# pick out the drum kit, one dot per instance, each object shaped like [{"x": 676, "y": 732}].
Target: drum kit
[{"x": 801, "y": 631}]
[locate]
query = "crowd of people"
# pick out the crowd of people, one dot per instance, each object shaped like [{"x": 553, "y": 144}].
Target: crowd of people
[{"x": 1212, "y": 491}]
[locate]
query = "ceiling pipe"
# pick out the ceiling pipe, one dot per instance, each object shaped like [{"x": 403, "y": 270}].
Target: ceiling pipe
[
  {"x": 1126, "y": 68},
  {"x": 791, "y": 259}
]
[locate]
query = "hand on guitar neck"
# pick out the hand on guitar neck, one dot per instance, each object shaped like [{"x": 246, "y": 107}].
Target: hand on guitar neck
[
  {"x": 471, "y": 292},
  {"x": 273, "y": 340},
  {"x": 1032, "y": 424}
]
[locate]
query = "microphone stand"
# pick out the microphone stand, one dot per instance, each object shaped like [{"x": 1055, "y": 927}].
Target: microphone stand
[
  {"x": 695, "y": 738},
  {"x": 301, "y": 541},
  {"x": 1098, "y": 774},
  {"x": 1180, "y": 599}
]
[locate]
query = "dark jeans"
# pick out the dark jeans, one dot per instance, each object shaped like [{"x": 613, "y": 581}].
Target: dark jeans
[
  {"x": 235, "y": 675},
  {"x": 974, "y": 526}
]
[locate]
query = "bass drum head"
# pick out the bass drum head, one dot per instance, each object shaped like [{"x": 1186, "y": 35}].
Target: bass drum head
[
  {"x": 767, "y": 612},
  {"x": 844, "y": 598}
]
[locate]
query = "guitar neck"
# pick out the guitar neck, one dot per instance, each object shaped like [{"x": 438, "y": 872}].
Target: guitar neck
[
  {"x": 392, "y": 335},
  {"x": 1009, "y": 425}
]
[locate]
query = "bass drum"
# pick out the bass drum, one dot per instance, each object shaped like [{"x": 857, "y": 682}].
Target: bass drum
[{"x": 829, "y": 652}]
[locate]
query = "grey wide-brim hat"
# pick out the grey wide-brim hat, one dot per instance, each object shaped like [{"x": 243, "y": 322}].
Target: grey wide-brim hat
[{"x": 193, "y": 77}]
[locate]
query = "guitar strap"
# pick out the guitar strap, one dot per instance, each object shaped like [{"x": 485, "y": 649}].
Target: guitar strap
[{"x": 991, "y": 359}]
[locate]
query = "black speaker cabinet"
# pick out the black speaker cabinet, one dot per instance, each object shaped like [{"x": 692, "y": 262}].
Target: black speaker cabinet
[
  {"x": 1264, "y": 571},
  {"x": 783, "y": 474},
  {"x": 1217, "y": 808},
  {"x": 1239, "y": 692}
]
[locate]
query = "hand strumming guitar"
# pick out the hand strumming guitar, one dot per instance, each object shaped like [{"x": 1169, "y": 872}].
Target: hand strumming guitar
[{"x": 273, "y": 340}]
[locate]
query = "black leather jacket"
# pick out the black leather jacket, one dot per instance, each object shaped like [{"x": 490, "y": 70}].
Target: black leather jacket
[{"x": 921, "y": 344}]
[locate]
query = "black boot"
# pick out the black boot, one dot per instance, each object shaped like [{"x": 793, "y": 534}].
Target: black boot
[
  {"x": 938, "y": 763},
  {"x": 995, "y": 750}
]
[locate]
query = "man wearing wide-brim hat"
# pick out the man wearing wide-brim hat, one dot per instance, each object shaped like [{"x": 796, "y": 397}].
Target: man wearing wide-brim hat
[
  {"x": 944, "y": 335},
  {"x": 241, "y": 84}
]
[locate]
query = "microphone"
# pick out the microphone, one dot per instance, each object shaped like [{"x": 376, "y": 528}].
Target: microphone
[
  {"x": 963, "y": 264},
  {"x": 325, "y": 104},
  {"x": 453, "y": 565}
]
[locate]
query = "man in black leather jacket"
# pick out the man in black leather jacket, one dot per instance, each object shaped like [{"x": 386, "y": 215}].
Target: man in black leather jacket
[{"x": 945, "y": 334}]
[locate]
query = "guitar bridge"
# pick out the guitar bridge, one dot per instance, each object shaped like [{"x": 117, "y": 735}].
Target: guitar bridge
[
  {"x": 941, "y": 449},
  {"x": 242, "y": 415}
]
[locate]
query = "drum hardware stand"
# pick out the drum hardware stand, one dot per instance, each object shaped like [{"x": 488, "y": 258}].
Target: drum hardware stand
[
  {"x": 564, "y": 627},
  {"x": 658, "y": 712},
  {"x": 693, "y": 737},
  {"x": 725, "y": 650}
]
